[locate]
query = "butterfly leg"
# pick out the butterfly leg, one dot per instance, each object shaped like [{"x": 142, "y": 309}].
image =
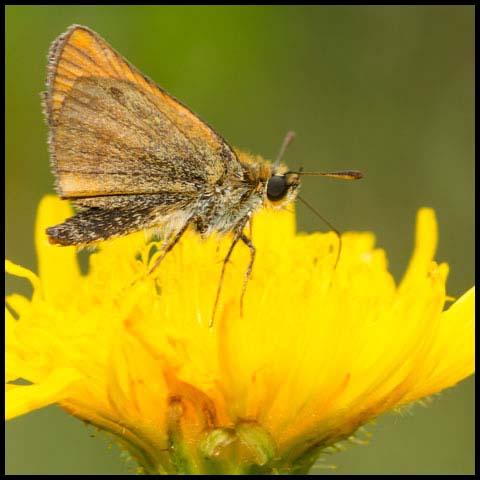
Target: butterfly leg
[
  {"x": 250, "y": 245},
  {"x": 236, "y": 238},
  {"x": 169, "y": 247}
]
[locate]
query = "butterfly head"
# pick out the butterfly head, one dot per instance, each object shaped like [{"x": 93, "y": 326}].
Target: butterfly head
[{"x": 282, "y": 187}]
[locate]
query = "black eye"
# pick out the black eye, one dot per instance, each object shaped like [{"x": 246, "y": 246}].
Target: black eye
[{"x": 277, "y": 187}]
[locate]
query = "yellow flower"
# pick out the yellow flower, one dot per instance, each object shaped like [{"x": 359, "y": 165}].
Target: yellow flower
[{"x": 319, "y": 351}]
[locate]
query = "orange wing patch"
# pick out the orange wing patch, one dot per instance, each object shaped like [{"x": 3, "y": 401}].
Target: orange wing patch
[{"x": 80, "y": 52}]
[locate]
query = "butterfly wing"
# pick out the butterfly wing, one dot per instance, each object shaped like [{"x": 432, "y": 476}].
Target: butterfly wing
[{"x": 115, "y": 132}]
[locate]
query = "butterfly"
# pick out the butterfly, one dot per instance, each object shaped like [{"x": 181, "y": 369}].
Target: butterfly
[{"x": 131, "y": 157}]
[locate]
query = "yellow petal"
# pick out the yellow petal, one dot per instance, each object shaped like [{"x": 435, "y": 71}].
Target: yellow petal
[
  {"x": 19, "y": 271},
  {"x": 453, "y": 357},
  {"x": 24, "y": 399},
  {"x": 426, "y": 239},
  {"x": 57, "y": 265}
]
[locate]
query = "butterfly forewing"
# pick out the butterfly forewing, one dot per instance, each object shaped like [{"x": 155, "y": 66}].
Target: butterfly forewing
[{"x": 108, "y": 120}]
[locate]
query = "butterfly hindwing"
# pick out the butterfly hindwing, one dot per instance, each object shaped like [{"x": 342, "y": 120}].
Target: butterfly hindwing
[{"x": 101, "y": 218}]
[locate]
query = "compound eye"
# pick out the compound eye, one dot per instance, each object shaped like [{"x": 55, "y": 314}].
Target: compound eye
[{"x": 277, "y": 187}]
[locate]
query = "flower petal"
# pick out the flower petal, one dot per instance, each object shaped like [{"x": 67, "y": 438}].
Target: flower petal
[
  {"x": 26, "y": 398},
  {"x": 452, "y": 357},
  {"x": 22, "y": 272},
  {"x": 426, "y": 239},
  {"x": 57, "y": 265}
]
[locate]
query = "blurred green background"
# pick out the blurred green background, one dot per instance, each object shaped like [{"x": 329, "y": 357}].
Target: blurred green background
[{"x": 386, "y": 90}]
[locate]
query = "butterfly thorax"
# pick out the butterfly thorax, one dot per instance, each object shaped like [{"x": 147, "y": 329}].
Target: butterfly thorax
[
  {"x": 238, "y": 195},
  {"x": 234, "y": 200}
]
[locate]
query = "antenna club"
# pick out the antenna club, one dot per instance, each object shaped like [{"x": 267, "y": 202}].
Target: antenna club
[{"x": 355, "y": 174}]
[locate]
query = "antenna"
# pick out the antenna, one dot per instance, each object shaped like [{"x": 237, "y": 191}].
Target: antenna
[
  {"x": 286, "y": 142},
  {"x": 314, "y": 210},
  {"x": 343, "y": 174}
]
